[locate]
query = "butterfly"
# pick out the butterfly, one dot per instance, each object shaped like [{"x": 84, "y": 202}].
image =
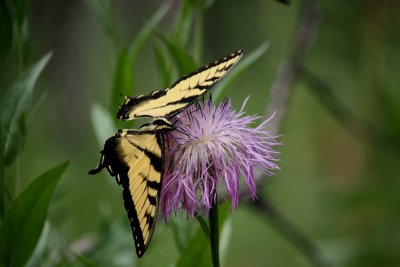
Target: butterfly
[{"x": 136, "y": 157}]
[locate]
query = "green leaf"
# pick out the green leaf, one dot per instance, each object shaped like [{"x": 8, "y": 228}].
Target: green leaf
[
  {"x": 37, "y": 257},
  {"x": 178, "y": 232},
  {"x": 23, "y": 223},
  {"x": 203, "y": 226},
  {"x": 225, "y": 226},
  {"x": 200, "y": 4},
  {"x": 163, "y": 69},
  {"x": 103, "y": 10},
  {"x": 85, "y": 261},
  {"x": 122, "y": 82},
  {"x": 197, "y": 253},
  {"x": 5, "y": 30},
  {"x": 224, "y": 213},
  {"x": 15, "y": 104},
  {"x": 25, "y": 42},
  {"x": 222, "y": 87},
  {"x": 20, "y": 8},
  {"x": 183, "y": 60},
  {"x": 182, "y": 26},
  {"x": 102, "y": 122},
  {"x": 139, "y": 41}
]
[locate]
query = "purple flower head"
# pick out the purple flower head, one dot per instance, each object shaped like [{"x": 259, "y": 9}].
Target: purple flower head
[{"x": 208, "y": 151}]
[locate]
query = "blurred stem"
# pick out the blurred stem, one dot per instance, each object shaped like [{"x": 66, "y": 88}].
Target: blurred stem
[
  {"x": 290, "y": 232},
  {"x": 356, "y": 126},
  {"x": 214, "y": 233},
  {"x": 198, "y": 32},
  {"x": 288, "y": 71}
]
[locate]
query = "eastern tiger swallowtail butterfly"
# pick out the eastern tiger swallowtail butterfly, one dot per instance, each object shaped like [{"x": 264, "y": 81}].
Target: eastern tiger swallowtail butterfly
[
  {"x": 135, "y": 157},
  {"x": 168, "y": 102}
]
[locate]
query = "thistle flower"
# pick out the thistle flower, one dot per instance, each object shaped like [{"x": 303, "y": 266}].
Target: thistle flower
[{"x": 208, "y": 151}]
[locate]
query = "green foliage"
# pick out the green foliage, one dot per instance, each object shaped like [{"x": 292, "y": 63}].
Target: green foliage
[
  {"x": 23, "y": 223},
  {"x": 102, "y": 122},
  {"x": 5, "y": 30},
  {"x": 103, "y": 9},
  {"x": 14, "y": 107},
  {"x": 163, "y": 69},
  {"x": 197, "y": 250},
  {"x": 222, "y": 88},
  {"x": 197, "y": 253},
  {"x": 340, "y": 192},
  {"x": 184, "y": 62},
  {"x": 123, "y": 81},
  {"x": 20, "y": 8}
]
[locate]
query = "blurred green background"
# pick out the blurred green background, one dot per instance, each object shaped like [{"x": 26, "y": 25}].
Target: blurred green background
[{"x": 339, "y": 181}]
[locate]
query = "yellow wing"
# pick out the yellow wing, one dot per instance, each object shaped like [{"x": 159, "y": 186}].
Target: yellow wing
[
  {"x": 185, "y": 91},
  {"x": 134, "y": 157}
]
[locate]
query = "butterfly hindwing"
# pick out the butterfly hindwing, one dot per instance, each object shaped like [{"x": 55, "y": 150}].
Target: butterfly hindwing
[
  {"x": 185, "y": 91},
  {"x": 134, "y": 157}
]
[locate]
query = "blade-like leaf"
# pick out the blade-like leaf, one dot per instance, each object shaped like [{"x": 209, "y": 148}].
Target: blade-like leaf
[
  {"x": 223, "y": 86},
  {"x": 178, "y": 232},
  {"x": 163, "y": 69},
  {"x": 122, "y": 82},
  {"x": 103, "y": 10},
  {"x": 85, "y": 261},
  {"x": 5, "y": 30},
  {"x": 141, "y": 38},
  {"x": 183, "y": 60},
  {"x": 182, "y": 26},
  {"x": 203, "y": 226},
  {"x": 16, "y": 103},
  {"x": 197, "y": 253},
  {"x": 102, "y": 122},
  {"x": 225, "y": 226},
  {"x": 20, "y": 8},
  {"x": 23, "y": 223}
]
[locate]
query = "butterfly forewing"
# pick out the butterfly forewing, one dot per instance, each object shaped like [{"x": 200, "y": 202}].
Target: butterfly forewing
[{"x": 185, "y": 91}]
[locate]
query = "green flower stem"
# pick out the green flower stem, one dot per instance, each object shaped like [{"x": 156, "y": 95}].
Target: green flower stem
[{"x": 214, "y": 233}]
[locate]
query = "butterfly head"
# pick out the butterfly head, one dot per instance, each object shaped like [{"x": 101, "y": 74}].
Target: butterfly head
[{"x": 124, "y": 112}]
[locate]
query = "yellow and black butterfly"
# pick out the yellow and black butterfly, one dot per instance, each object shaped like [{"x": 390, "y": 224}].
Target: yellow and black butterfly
[{"x": 135, "y": 157}]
